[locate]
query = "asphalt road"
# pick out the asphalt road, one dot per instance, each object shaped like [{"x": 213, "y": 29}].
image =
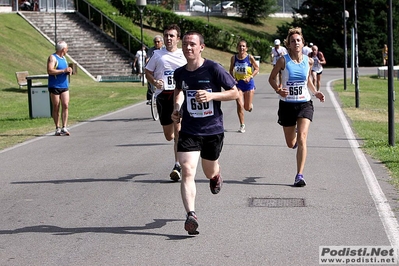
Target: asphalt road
[{"x": 103, "y": 196}]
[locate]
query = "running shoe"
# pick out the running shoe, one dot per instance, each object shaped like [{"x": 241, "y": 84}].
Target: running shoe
[
  {"x": 64, "y": 131},
  {"x": 252, "y": 107},
  {"x": 295, "y": 145},
  {"x": 242, "y": 128},
  {"x": 176, "y": 173},
  {"x": 299, "y": 181},
  {"x": 191, "y": 223},
  {"x": 148, "y": 102},
  {"x": 57, "y": 131},
  {"x": 216, "y": 184}
]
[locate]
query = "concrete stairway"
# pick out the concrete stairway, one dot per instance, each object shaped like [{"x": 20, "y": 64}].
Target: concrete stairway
[{"x": 88, "y": 46}]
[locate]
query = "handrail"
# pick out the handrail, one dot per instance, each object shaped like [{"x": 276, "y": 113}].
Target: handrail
[{"x": 107, "y": 26}]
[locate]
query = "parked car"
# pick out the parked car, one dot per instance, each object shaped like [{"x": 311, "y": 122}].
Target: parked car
[
  {"x": 227, "y": 6},
  {"x": 199, "y": 6}
]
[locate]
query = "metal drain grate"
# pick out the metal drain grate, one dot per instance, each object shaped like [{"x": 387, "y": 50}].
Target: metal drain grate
[{"x": 277, "y": 202}]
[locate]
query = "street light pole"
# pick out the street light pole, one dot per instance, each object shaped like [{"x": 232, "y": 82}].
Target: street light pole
[
  {"x": 55, "y": 22},
  {"x": 391, "y": 91},
  {"x": 356, "y": 58},
  {"x": 346, "y": 16},
  {"x": 141, "y": 5}
]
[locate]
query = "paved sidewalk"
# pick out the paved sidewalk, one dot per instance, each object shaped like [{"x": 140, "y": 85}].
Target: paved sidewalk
[{"x": 103, "y": 196}]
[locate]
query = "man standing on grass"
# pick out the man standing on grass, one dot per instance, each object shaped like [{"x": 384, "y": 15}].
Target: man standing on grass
[{"x": 58, "y": 86}]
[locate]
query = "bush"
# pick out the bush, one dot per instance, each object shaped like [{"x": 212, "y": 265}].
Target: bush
[{"x": 158, "y": 18}]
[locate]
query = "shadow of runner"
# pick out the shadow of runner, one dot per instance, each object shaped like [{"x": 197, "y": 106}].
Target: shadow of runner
[{"x": 56, "y": 230}]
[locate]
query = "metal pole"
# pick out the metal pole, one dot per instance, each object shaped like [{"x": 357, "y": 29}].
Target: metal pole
[
  {"x": 207, "y": 9},
  {"x": 391, "y": 92},
  {"x": 142, "y": 51},
  {"x": 353, "y": 55},
  {"x": 55, "y": 22},
  {"x": 141, "y": 5},
  {"x": 356, "y": 60},
  {"x": 346, "y": 15}
]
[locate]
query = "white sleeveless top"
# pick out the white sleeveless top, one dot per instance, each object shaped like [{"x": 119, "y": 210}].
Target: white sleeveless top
[{"x": 295, "y": 79}]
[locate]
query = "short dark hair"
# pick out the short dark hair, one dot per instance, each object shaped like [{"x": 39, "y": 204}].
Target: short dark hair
[
  {"x": 193, "y": 32},
  {"x": 173, "y": 27}
]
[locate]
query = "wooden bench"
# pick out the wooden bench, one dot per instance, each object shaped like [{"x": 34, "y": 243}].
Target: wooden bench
[{"x": 21, "y": 79}]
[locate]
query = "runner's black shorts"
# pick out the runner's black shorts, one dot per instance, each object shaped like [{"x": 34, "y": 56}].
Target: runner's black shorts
[
  {"x": 165, "y": 105},
  {"x": 209, "y": 146},
  {"x": 57, "y": 91},
  {"x": 288, "y": 113}
]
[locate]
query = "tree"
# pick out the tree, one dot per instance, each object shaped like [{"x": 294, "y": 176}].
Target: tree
[
  {"x": 252, "y": 11},
  {"x": 322, "y": 24}
]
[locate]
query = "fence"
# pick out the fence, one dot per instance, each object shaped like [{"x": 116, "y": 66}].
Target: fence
[{"x": 108, "y": 26}]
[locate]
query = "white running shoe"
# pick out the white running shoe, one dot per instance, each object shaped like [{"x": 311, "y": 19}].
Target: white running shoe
[
  {"x": 242, "y": 129},
  {"x": 64, "y": 131}
]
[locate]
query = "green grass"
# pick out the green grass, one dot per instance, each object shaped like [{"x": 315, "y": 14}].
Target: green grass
[
  {"x": 370, "y": 119},
  {"x": 23, "y": 48}
]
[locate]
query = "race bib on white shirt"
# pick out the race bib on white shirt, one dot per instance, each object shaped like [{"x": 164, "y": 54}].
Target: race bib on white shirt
[
  {"x": 297, "y": 91},
  {"x": 168, "y": 81},
  {"x": 196, "y": 109}
]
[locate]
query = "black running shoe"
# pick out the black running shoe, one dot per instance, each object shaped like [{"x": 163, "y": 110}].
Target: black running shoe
[
  {"x": 295, "y": 145},
  {"x": 176, "y": 173},
  {"x": 215, "y": 184},
  {"x": 191, "y": 223}
]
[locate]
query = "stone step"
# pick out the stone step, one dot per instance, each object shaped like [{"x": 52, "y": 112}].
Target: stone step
[{"x": 88, "y": 46}]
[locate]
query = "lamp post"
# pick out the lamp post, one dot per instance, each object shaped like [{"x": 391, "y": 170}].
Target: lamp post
[
  {"x": 356, "y": 57},
  {"x": 141, "y": 5},
  {"x": 346, "y": 16},
  {"x": 55, "y": 23},
  {"x": 391, "y": 91}
]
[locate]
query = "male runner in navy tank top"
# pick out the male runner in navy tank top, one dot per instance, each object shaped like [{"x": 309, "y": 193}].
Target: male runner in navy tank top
[{"x": 198, "y": 96}]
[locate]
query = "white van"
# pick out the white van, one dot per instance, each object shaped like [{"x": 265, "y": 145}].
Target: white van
[{"x": 198, "y": 6}]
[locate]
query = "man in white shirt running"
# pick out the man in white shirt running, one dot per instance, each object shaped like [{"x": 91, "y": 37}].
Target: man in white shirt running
[
  {"x": 276, "y": 53},
  {"x": 159, "y": 72}
]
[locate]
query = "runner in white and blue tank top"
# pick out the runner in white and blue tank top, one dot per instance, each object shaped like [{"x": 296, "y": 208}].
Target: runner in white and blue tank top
[
  {"x": 294, "y": 78},
  {"x": 296, "y": 109}
]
